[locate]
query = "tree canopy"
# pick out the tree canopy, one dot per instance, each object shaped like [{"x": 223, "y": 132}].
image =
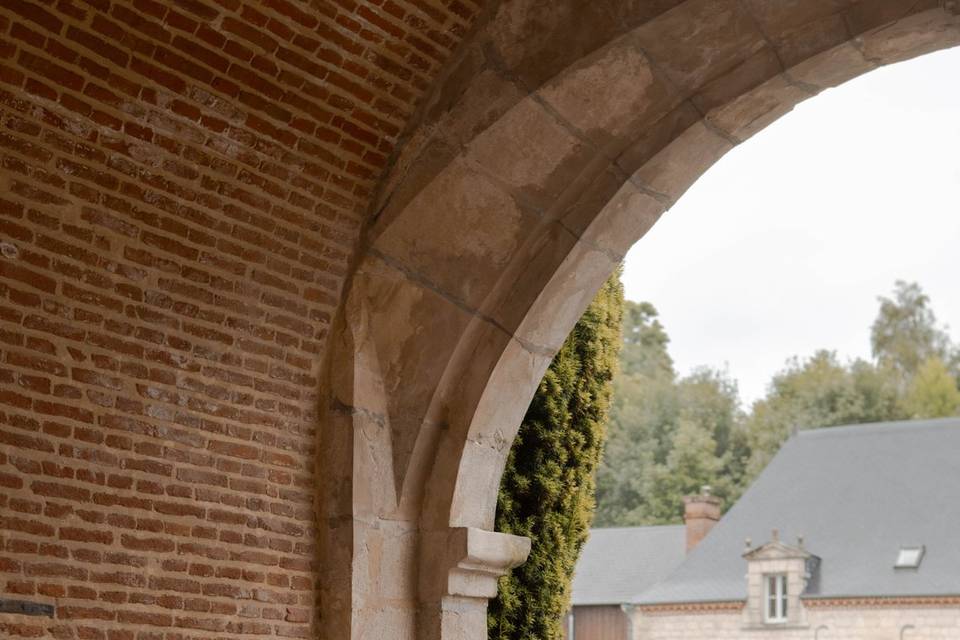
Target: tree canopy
[
  {"x": 669, "y": 435},
  {"x": 905, "y": 334}
]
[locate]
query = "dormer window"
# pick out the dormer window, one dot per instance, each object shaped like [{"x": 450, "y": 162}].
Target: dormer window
[
  {"x": 778, "y": 574},
  {"x": 776, "y": 610}
]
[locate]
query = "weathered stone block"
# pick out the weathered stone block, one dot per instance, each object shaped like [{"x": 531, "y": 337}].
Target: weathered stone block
[
  {"x": 910, "y": 37},
  {"x": 700, "y": 40},
  {"x": 673, "y": 170},
  {"x": 831, "y": 68},
  {"x": 531, "y": 153},
  {"x": 754, "y": 110},
  {"x": 465, "y": 230},
  {"x": 611, "y": 94}
]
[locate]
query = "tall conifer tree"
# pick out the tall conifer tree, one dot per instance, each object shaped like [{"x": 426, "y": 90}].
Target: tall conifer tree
[{"x": 548, "y": 484}]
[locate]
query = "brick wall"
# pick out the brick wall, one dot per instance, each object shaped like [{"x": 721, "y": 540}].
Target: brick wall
[{"x": 182, "y": 186}]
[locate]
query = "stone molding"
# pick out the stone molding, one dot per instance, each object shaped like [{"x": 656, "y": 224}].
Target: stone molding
[
  {"x": 458, "y": 574},
  {"x": 692, "y": 607},
  {"x": 478, "y": 558},
  {"x": 881, "y": 602},
  {"x": 878, "y": 602}
]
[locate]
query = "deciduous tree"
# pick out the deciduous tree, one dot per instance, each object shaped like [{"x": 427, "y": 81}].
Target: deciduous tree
[
  {"x": 932, "y": 392},
  {"x": 906, "y": 334}
]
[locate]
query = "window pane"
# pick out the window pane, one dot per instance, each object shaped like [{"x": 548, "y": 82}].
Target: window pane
[
  {"x": 783, "y": 601},
  {"x": 771, "y": 597},
  {"x": 909, "y": 557},
  {"x": 782, "y": 592}
]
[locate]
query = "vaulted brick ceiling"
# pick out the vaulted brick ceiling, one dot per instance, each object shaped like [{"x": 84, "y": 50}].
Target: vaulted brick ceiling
[{"x": 280, "y": 114}]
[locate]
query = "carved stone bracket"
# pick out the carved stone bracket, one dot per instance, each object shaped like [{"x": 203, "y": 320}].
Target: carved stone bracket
[
  {"x": 458, "y": 575},
  {"x": 477, "y": 558}
]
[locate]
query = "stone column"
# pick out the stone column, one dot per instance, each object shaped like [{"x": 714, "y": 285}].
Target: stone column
[{"x": 459, "y": 572}]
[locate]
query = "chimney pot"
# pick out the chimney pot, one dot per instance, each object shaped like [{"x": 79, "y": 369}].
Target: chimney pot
[{"x": 700, "y": 513}]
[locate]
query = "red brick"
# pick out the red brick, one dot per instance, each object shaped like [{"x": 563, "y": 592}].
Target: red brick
[
  {"x": 87, "y": 613},
  {"x": 35, "y": 13},
  {"x": 13, "y": 271},
  {"x": 32, "y": 527},
  {"x": 85, "y": 535},
  {"x": 145, "y": 618},
  {"x": 157, "y": 545}
]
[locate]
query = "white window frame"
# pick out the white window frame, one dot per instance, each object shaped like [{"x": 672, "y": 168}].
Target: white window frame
[{"x": 775, "y": 598}]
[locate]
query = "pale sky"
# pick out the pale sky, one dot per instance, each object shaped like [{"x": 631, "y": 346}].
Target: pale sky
[{"x": 784, "y": 245}]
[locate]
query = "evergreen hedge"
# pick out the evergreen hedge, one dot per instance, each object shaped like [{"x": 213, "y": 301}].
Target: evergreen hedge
[{"x": 547, "y": 491}]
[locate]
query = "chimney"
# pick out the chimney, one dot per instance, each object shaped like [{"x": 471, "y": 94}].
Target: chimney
[{"x": 700, "y": 513}]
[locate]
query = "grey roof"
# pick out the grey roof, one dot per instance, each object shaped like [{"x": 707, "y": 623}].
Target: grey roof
[
  {"x": 616, "y": 563},
  {"x": 856, "y": 494}
]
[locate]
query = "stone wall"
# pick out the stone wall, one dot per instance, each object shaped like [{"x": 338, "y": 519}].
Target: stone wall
[{"x": 915, "y": 622}]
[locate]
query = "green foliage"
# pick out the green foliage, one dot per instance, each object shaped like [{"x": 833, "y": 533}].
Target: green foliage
[
  {"x": 933, "y": 392},
  {"x": 905, "y": 333},
  {"x": 669, "y": 436},
  {"x": 644, "y": 342},
  {"x": 814, "y": 393},
  {"x": 547, "y": 489}
]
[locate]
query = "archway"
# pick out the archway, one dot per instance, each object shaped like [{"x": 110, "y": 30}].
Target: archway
[{"x": 533, "y": 170}]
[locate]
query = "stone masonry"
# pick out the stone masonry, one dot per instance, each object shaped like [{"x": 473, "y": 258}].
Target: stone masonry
[
  {"x": 278, "y": 279},
  {"x": 839, "y": 621}
]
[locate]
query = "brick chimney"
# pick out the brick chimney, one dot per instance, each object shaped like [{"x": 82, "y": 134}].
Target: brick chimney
[{"x": 700, "y": 513}]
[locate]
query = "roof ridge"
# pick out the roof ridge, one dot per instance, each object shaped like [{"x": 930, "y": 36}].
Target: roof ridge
[
  {"x": 890, "y": 426},
  {"x": 635, "y": 527}
]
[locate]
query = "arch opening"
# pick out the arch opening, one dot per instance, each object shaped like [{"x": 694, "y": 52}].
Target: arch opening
[{"x": 504, "y": 214}]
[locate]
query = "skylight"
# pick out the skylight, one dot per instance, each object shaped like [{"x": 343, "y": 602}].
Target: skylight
[{"x": 909, "y": 557}]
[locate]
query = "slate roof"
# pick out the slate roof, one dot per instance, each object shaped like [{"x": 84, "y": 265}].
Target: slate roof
[
  {"x": 856, "y": 494},
  {"x": 618, "y": 562}
]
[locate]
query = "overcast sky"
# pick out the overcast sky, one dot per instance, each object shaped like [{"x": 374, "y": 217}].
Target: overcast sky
[{"x": 784, "y": 245}]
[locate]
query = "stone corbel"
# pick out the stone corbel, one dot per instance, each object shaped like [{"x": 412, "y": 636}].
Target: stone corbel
[
  {"x": 477, "y": 558},
  {"x": 459, "y": 568}
]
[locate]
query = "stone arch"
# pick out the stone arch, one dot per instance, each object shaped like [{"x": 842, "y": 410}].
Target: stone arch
[{"x": 528, "y": 178}]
